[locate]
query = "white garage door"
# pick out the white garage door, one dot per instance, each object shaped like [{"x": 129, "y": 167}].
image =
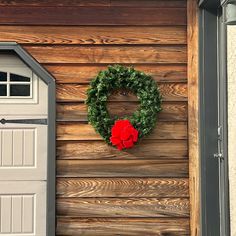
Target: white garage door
[{"x": 23, "y": 149}]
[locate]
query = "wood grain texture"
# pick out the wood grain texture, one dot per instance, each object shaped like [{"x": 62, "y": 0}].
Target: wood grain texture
[
  {"x": 74, "y": 15},
  {"x": 78, "y": 93},
  {"x": 83, "y": 74},
  {"x": 93, "y": 35},
  {"x": 172, "y": 111},
  {"x": 123, "y": 207},
  {"x": 122, "y": 187},
  {"x": 148, "y": 3},
  {"x": 193, "y": 117},
  {"x": 20, "y": 3},
  {"x": 81, "y": 131},
  {"x": 100, "y": 190},
  {"x": 108, "y": 54},
  {"x": 147, "y": 149},
  {"x": 122, "y": 168},
  {"x": 122, "y": 226},
  {"x": 62, "y": 3}
]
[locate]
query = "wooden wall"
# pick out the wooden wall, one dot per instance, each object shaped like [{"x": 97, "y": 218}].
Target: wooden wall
[{"x": 100, "y": 190}]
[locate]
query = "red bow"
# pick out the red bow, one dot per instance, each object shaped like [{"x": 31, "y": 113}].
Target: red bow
[{"x": 123, "y": 134}]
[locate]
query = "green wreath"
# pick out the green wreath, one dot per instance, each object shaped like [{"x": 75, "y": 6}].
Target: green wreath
[{"x": 123, "y": 132}]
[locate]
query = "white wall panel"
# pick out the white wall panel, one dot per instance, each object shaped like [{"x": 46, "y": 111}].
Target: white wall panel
[{"x": 232, "y": 123}]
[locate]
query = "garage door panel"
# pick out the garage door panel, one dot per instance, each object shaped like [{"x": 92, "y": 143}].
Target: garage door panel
[
  {"x": 23, "y": 152},
  {"x": 23, "y": 208}
]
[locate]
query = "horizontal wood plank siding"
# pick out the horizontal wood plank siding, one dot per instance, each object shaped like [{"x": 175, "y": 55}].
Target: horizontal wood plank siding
[
  {"x": 98, "y": 150},
  {"x": 101, "y": 190},
  {"x": 130, "y": 3},
  {"x": 123, "y": 207},
  {"x": 109, "y": 54},
  {"x": 172, "y": 111},
  {"x": 62, "y": 3},
  {"x": 81, "y": 131},
  {"x": 83, "y": 74},
  {"x": 104, "y": 35},
  {"x": 74, "y": 15},
  {"x": 123, "y": 226},
  {"x": 122, "y": 187},
  {"x": 122, "y": 168},
  {"x": 149, "y": 3},
  {"x": 78, "y": 93}
]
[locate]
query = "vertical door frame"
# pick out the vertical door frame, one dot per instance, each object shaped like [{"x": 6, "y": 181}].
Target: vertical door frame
[
  {"x": 193, "y": 116},
  {"x": 13, "y": 47},
  {"x": 213, "y": 115},
  {"x": 210, "y": 221},
  {"x": 223, "y": 123}
]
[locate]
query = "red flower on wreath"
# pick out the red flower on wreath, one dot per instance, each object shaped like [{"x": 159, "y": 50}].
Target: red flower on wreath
[{"x": 123, "y": 134}]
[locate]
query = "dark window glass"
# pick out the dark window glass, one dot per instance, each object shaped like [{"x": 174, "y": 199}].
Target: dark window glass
[
  {"x": 3, "y": 76},
  {"x": 3, "y": 90},
  {"x": 19, "y": 78},
  {"x": 20, "y": 90}
]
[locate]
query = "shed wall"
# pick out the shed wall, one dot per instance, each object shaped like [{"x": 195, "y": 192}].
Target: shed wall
[{"x": 100, "y": 190}]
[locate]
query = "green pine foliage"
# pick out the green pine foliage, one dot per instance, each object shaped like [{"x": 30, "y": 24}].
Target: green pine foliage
[{"x": 121, "y": 77}]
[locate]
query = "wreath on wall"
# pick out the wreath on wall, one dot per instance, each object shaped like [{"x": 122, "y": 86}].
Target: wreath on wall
[{"x": 126, "y": 131}]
